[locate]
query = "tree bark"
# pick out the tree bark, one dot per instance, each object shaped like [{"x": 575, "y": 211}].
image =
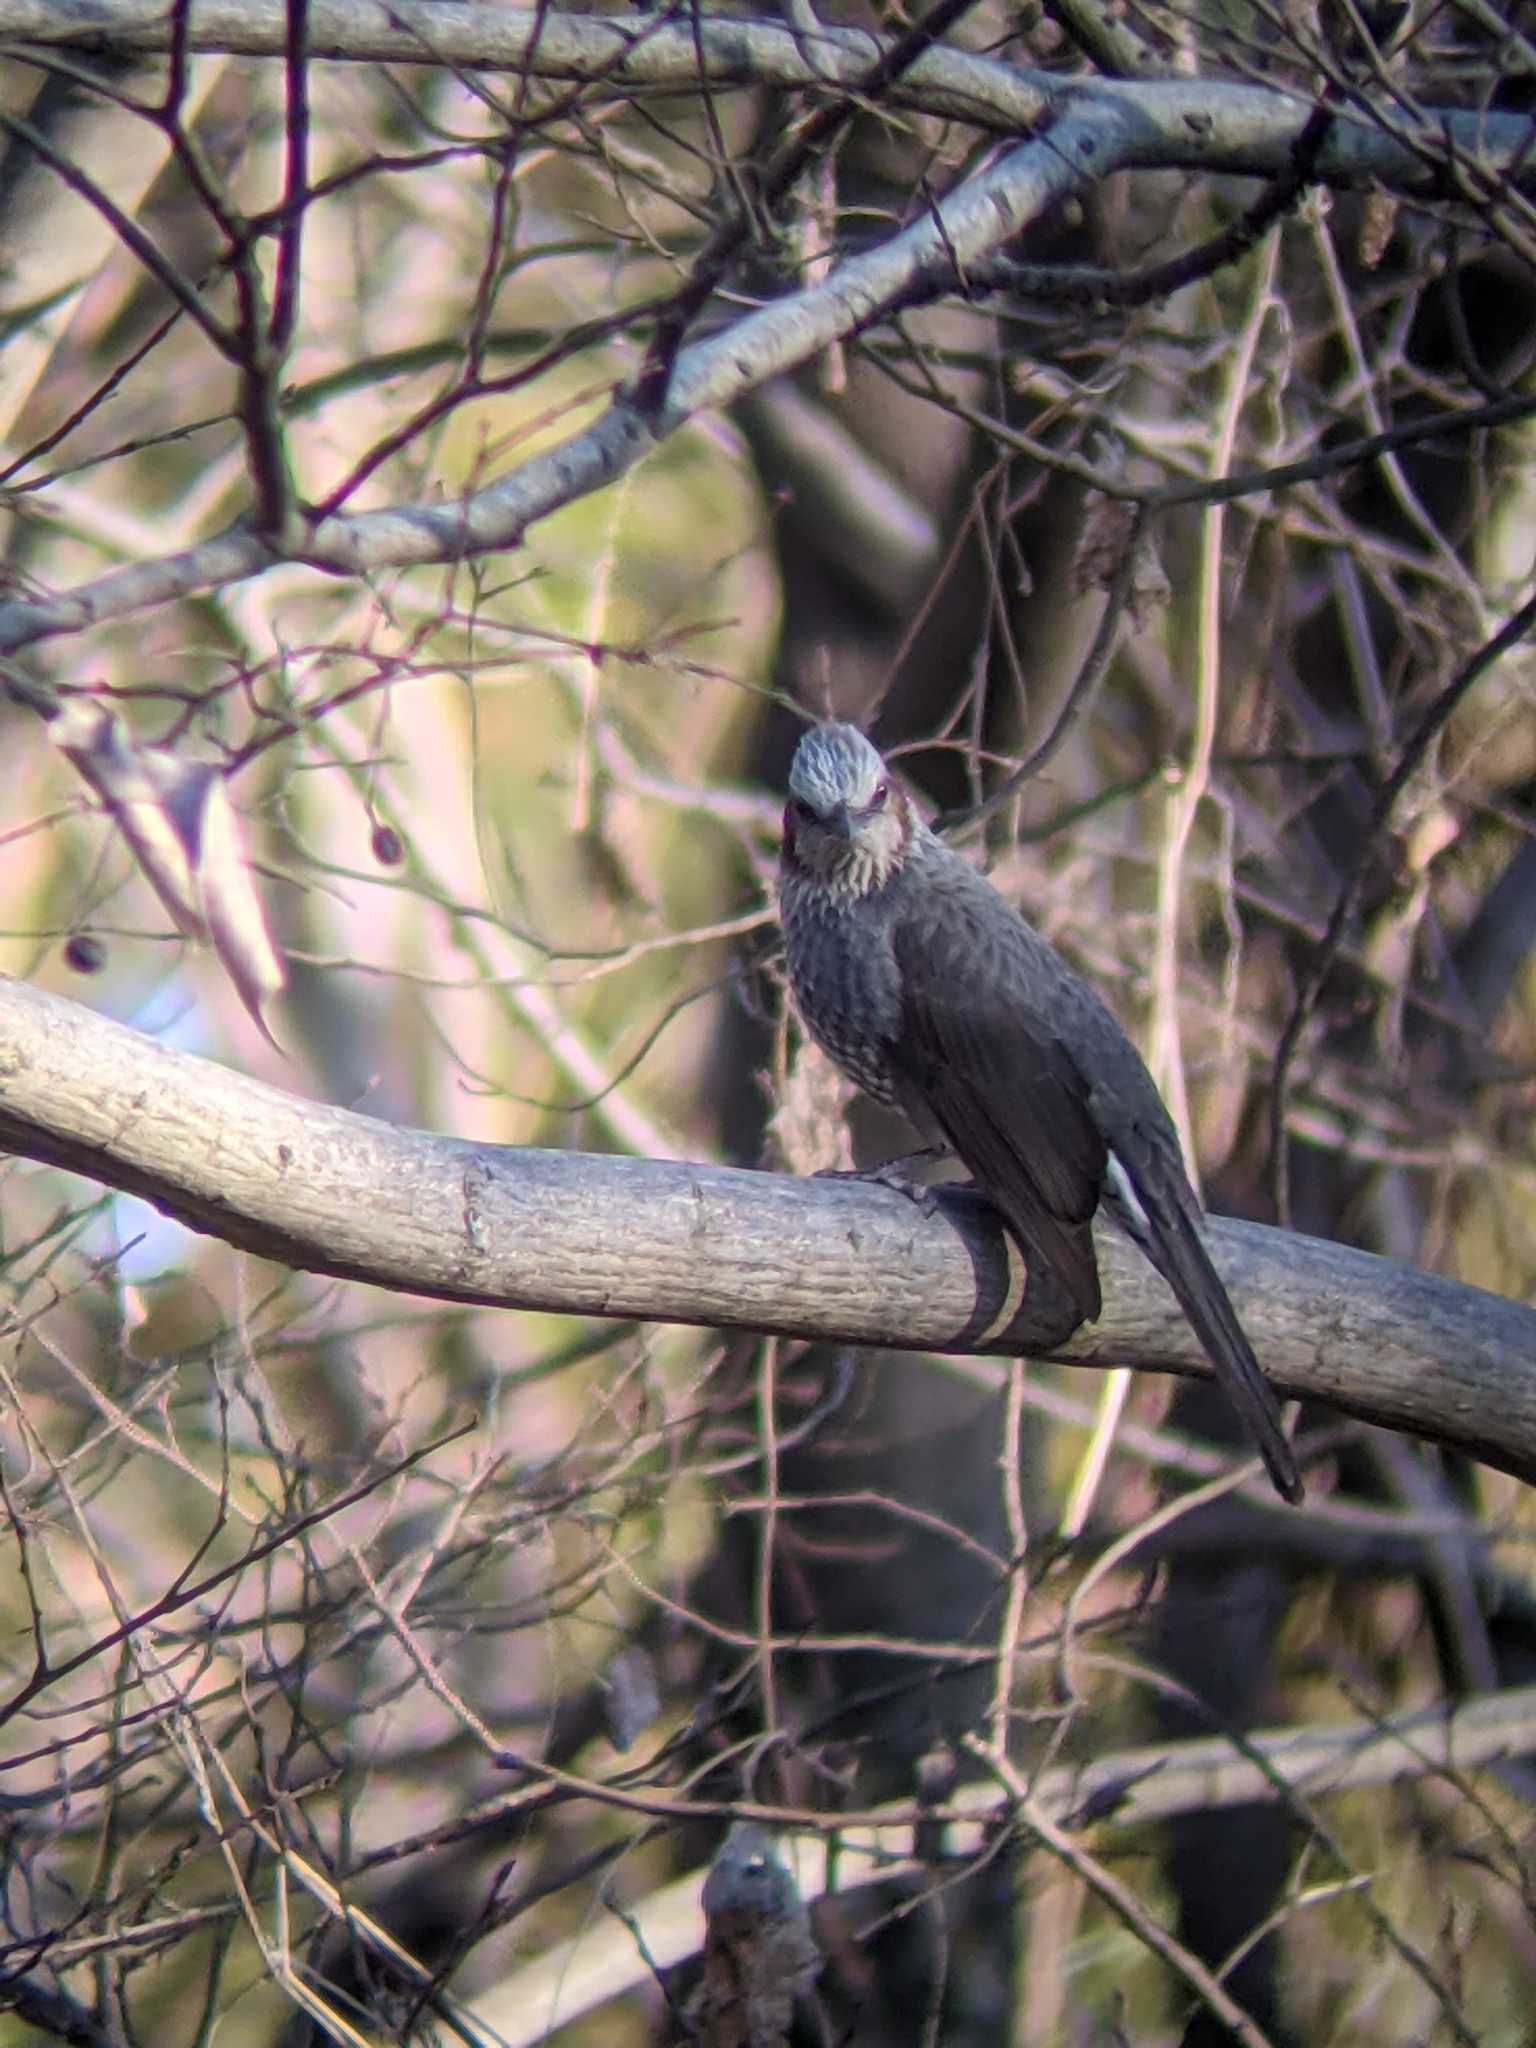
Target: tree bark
[{"x": 329, "y": 1191}]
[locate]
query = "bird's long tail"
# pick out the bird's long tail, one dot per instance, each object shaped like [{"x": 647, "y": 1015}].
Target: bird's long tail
[{"x": 1168, "y": 1224}]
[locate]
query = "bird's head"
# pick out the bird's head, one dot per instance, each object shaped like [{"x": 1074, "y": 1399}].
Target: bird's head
[{"x": 846, "y": 824}]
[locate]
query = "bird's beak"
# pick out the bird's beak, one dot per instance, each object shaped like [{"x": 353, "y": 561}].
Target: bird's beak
[{"x": 841, "y": 824}]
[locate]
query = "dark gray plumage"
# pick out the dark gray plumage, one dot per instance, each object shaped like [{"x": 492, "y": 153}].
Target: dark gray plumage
[{"x": 936, "y": 997}]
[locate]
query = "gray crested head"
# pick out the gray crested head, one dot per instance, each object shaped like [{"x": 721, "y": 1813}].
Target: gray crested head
[
  {"x": 846, "y": 825},
  {"x": 835, "y": 764}
]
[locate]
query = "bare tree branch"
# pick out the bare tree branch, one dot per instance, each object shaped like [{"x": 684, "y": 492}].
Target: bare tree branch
[
  {"x": 980, "y": 214},
  {"x": 1205, "y": 124},
  {"x": 343, "y": 288},
  {"x": 333, "y": 1192},
  {"x": 1097, "y": 127},
  {"x": 1126, "y": 1790}
]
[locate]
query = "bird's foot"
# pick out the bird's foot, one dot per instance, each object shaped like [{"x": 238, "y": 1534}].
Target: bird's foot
[{"x": 889, "y": 1174}]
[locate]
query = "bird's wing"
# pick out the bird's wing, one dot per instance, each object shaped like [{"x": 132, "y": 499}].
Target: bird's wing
[{"x": 975, "y": 1054}]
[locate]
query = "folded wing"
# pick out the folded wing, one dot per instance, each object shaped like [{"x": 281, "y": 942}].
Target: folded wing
[{"x": 1006, "y": 1094}]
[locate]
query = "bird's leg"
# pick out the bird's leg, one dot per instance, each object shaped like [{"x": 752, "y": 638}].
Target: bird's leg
[{"x": 891, "y": 1173}]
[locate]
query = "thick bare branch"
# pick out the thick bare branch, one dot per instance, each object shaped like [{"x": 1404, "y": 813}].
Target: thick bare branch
[
  {"x": 1212, "y": 125},
  {"x": 333, "y": 1192}
]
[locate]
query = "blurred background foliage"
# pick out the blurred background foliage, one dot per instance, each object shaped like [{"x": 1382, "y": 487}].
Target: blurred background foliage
[{"x": 451, "y": 1609}]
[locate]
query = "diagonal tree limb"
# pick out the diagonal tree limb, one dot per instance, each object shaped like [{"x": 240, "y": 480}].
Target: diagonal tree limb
[{"x": 986, "y": 210}]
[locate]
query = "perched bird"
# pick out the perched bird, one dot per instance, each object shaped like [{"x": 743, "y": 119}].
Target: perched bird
[
  {"x": 759, "y": 1952},
  {"x": 937, "y": 997}
]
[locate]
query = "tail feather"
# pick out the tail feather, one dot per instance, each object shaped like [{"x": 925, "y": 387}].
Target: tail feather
[{"x": 1170, "y": 1223}]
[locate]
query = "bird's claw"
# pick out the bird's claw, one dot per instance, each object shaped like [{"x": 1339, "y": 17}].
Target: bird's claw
[{"x": 886, "y": 1175}]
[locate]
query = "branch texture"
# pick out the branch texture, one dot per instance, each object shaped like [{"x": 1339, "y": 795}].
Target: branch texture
[{"x": 333, "y": 1192}]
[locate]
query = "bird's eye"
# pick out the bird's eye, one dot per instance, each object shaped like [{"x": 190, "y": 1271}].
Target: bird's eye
[{"x": 882, "y": 791}]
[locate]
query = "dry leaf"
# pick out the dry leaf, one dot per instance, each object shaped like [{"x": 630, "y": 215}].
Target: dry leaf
[
  {"x": 177, "y": 818},
  {"x": 810, "y": 1125},
  {"x": 1100, "y": 551},
  {"x": 631, "y": 1700},
  {"x": 1378, "y": 221}
]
